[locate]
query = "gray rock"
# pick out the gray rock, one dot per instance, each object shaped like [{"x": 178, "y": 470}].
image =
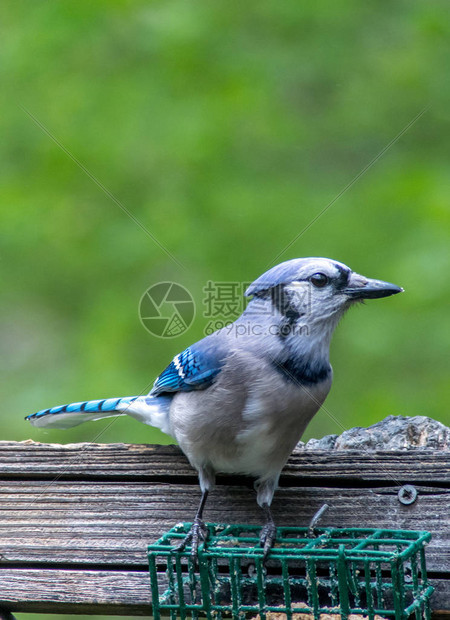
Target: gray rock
[
  {"x": 392, "y": 433},
  {"x": 325, "y": 443}
]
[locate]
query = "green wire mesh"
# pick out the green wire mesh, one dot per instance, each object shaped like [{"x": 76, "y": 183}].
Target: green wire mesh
[{"x": 337, "y": 571}]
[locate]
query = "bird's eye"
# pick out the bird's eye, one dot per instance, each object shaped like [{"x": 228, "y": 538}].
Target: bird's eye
[{"x": 319, "y": 280}]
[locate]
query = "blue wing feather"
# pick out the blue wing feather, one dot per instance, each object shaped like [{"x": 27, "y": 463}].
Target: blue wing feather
[
  {"x": 195, "y": 368},
  {"x": 192, "y": 369}
]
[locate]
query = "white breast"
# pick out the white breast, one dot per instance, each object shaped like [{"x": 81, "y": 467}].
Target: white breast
[
  {"x": 242, "y": 423},
  {"x": 275, "y": 420}
]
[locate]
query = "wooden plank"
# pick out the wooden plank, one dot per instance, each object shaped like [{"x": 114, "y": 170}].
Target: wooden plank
[
  {"x": 111, "y": 523},
  {"x": 75, "y": 591},
  {"x": 75, "y": 520},
  {"x": 121, "y": 461},
  {"x": 124, "y": 593}
]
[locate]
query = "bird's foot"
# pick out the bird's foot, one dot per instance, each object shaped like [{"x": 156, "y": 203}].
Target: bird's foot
[
  {"x": 197, "y": 534},
  {"x": 267, "y": 537}
]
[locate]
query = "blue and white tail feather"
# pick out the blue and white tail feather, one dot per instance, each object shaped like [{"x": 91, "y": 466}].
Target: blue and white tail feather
[
  {"x": 152, "y": 411},
  {"x": 195, "y": 368}
]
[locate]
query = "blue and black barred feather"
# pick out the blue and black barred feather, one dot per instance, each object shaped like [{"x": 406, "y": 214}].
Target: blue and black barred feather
[
  {"x": 192, "y": 369},
  {"x": 189, "y": 370},
  {"x": 87, "y": 406}
]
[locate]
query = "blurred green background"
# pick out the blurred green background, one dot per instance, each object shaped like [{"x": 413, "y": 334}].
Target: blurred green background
[{"x": 225, "y": 128}]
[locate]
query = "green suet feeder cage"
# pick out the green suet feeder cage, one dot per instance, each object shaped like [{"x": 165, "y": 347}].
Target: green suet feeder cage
[{"x": 369, "y": 572}]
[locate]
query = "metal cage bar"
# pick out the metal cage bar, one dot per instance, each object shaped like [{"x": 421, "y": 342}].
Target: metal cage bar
[{"x": 340, "y": 571}]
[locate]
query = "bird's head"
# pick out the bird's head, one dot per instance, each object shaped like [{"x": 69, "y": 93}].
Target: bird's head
[{"x": 316, "y": 290}]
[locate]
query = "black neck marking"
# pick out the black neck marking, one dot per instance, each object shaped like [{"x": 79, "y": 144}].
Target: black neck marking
[
  {"x": 282, "y": 301},
  {"x": 300, "y": 371}
]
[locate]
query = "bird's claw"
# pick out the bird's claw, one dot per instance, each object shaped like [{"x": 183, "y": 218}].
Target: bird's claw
[
  {"x": 197, "y": 534},
  {"x": 267, "y": 538}
]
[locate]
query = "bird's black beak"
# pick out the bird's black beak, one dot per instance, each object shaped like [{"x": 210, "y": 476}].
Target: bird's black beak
[{"x": 359, "y": 287}]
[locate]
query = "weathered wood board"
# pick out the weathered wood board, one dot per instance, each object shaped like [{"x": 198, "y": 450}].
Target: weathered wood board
[{"x": 75, "y": 520}]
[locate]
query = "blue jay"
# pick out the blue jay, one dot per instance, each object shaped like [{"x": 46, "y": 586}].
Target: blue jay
[{"x": 239, "y": 400}]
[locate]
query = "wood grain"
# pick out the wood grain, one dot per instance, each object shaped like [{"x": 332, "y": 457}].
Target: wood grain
[
  {"x": 75, "y": 520},
  {"x": 119, "y": 461}
]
